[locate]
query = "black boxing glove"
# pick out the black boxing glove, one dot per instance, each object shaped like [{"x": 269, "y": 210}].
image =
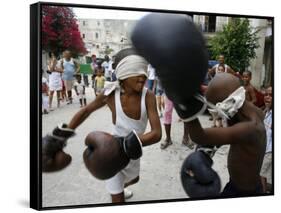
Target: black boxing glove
[
  {"x": 176, "y": 49},
  {"x": 131, "y": 145},
  {"x": 198, "y": 178},
  {"x": 53, "y": 144},
  {"x": 190, "y": 108}
]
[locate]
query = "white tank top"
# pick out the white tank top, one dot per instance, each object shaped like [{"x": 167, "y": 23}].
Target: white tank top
[{"x": 124, "y": 124}]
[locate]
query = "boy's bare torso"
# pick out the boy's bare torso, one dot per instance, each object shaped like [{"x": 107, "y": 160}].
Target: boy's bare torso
[{"x": 245, "y": 160}]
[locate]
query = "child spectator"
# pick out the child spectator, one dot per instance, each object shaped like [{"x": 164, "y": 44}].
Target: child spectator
[
  {"x": 99, "y": 82},
  {"x": 79, "y": 88},
  {"x": 107, "y": 68},
  {"x": 55, "y": 82},
  {"x": 250, "y": 90},
  {"x": 220, "y": 68}
]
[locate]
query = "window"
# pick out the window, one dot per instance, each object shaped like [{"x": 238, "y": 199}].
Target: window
[
  {"x": 210, "y": 24},
  {"x": 84, "y": 23},
  {"x": 83, "y": 35},
  {"x": 97, "y": 35},
  {"x": 98, "y": 23}
]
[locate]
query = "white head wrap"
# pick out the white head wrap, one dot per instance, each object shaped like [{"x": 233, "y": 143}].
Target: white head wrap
[
  {"x": 228, "y": 107},
  {"x": 130, "y": 66}
]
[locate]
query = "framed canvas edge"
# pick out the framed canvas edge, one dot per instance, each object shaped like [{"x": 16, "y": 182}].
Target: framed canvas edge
[{"x": 35, "y": 102}]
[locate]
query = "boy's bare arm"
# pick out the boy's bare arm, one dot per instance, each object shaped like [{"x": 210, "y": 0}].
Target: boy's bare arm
[
  {"x": 82, "y": 114},
  {"x": 238, "y": 133},
  {"x": 155, "y": 133}
]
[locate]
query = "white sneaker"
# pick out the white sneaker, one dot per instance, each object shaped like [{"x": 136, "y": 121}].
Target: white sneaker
[{"x": 128, "y": 194}]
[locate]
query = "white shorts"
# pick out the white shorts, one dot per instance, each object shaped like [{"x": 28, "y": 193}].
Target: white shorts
[{"x": 115, "y": 185}]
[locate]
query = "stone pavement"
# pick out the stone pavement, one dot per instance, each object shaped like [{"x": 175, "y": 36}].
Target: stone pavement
[{"x": 159, "y": 176}]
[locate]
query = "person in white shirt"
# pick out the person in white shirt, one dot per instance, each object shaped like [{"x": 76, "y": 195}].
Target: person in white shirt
[
  {"x": 79, "y": 88},
  {"x": 55, "y": 82},
  {"x": 107, "y": 68}
]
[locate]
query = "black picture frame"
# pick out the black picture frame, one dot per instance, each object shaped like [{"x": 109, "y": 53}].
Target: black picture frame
[{"x": 36, "y": 102}]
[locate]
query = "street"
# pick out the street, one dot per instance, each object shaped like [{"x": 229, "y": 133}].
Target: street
[{"x": 159, "y": 176}]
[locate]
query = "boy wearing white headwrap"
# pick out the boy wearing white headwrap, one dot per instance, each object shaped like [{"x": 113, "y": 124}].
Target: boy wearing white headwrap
[{"x": 132, "y": 106}]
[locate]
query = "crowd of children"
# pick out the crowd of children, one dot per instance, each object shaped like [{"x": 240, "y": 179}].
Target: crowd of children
[{"x": 63, "y": 75}]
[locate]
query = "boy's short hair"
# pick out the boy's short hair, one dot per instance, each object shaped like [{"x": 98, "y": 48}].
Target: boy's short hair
[{"x": 248, "y": 72}]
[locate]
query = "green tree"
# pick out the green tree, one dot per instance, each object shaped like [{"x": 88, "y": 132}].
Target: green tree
[{"x": 238, "y": 42}]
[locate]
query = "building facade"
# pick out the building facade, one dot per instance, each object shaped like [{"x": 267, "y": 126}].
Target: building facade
[
  {"x": 105, "y": 36},
  {"x": 108, "y": 36}
]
